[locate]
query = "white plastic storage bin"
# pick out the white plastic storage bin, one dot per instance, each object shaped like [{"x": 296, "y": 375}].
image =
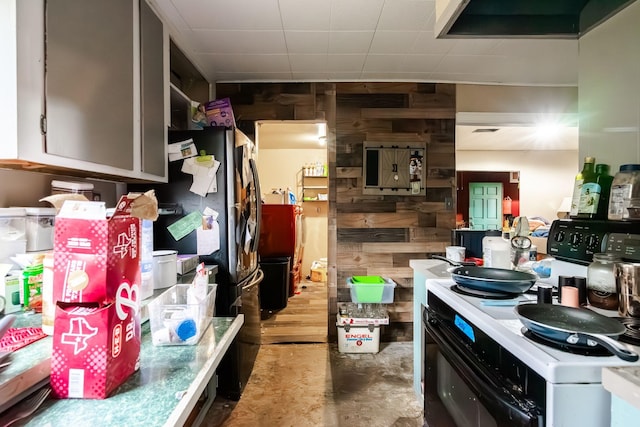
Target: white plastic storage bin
[
  {"x": 40, "y": 228},
  {"x": 371, "y": 289},
  {"x": 358, "y": 338}
]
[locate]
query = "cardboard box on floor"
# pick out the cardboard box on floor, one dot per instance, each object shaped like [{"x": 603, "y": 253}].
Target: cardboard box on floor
[{"x": 96, "y": 339}]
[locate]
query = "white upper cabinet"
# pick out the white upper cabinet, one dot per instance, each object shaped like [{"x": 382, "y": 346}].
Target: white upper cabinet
[{"x": 91, "y": 100}]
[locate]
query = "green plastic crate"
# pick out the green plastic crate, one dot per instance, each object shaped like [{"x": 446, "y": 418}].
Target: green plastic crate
[{"x": 371, "y": 289}]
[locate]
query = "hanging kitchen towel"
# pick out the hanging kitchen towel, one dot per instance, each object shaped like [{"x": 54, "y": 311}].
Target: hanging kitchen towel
[{"x": 16, "y": 338}]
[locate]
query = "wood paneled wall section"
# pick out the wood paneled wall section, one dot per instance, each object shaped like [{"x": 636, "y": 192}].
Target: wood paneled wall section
[{"x": 370, "y": 234}]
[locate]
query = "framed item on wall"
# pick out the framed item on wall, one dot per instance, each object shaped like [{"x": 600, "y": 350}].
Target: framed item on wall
[{"x": 514, "y": 177}]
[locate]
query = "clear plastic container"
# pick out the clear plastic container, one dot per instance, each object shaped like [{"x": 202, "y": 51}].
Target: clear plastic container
[
  {"x": 177, "y": 318},
  {"x": 624, "y": 188},
  {"x": 496, "y": 252},
  {"x": 13, "y": 233},
  {"x": 40, "y": 228},
  {"x": 84, "y": 188}
]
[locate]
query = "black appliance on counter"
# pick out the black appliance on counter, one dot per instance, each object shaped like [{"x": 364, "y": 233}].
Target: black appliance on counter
[
  {"x": 237, "y": 201},
  {"x": 471, "y": 240}
]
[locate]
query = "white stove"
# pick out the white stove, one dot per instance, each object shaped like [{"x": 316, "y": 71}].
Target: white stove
[
  {"x": 498, "y": 319},
  {"x": 479, "y": 368}
]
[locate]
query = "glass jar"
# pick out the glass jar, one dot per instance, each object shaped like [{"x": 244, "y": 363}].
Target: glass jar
[
  {"x": 625, "y": 185},
  {"x": 601, "y": 282}
]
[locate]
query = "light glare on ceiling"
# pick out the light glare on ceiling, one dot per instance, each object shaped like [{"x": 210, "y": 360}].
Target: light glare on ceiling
[{"x": 547, "y": 131}]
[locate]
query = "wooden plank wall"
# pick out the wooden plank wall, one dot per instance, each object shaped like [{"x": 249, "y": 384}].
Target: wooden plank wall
[{"x": 370, "y": 234}]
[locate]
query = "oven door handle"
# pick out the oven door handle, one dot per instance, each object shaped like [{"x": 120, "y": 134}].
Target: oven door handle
[{"x": 493, "y": 395}]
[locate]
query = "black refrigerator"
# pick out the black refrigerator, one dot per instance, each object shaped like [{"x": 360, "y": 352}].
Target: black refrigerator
[{"x": 237, "y": 201}]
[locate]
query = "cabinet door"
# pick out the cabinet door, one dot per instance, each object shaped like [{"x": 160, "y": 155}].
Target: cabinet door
[
  {"x": 152, "y": 96},
  {"x": 89, "y": 81}
]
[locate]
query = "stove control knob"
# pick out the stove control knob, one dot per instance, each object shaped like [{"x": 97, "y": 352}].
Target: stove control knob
[
  {"x": 575, "y": 239},
  {"x": 592, "y": 242},
  {"x": 559, "y": 236}
]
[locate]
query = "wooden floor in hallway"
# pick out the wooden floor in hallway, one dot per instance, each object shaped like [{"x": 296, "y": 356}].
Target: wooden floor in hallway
[{"x": 303, "y": 320}]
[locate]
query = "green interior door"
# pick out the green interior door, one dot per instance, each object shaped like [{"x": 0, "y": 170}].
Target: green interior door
[{"x": 485, "y": 205}]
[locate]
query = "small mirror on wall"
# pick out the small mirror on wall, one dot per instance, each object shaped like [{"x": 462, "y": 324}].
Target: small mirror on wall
[{"x": 393, "y": 169}]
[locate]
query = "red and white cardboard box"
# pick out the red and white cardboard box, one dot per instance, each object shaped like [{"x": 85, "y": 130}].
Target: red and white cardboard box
[
  {"x": 93, "y": 254},
  {"x": 95, "y": 347}
]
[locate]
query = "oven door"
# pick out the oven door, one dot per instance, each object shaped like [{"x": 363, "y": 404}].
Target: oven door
[{"x": 460, "y": 392}]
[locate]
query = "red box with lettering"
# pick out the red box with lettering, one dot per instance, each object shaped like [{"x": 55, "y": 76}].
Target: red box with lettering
[
  {"x": 96, "y": 347},
  {"x": 94, "y": 254}
]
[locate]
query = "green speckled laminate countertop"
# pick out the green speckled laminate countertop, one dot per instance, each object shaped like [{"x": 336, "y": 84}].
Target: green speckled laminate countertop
[{"x": 162, "y": 393}]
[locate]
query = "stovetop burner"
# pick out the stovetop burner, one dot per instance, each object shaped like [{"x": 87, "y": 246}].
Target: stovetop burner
[
  {"x": 632, "y": 334},
  {"x": 463, "y": 290},
  {"x": 598, "y": 350}
]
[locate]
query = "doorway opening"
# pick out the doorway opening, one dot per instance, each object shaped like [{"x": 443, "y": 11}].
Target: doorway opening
[
  {"x": 292, "y": 155},
  {"x": 487, "y": 200}
]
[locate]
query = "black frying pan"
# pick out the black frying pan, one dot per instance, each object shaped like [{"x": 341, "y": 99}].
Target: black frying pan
[
  {"x": 490, "y": 279},
  {"x": 576, "y": 326}
]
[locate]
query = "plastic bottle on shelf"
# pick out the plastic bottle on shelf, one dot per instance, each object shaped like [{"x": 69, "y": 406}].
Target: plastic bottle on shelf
[{"x": 587, "y": 175}]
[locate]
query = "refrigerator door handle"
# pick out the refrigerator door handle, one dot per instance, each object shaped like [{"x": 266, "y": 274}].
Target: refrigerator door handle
[
  {"x": 256, "y": 183},
  {"x": 255, "y": 280}
]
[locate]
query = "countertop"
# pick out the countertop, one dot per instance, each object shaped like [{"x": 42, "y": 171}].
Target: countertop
[
  {"x": 623, "y": 382},
  {"x": 163, "y": 392}
]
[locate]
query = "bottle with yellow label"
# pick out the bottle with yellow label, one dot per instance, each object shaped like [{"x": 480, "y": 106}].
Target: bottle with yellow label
[{"x": 581, "y": 197}]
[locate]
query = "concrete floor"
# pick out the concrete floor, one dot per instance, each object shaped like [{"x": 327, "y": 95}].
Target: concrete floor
[{"x": 316, "y": 385}]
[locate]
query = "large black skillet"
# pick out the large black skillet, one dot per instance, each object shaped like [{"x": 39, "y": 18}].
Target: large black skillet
[
  {"x": 575, "y": 326},
  {"x": 490, "y": 279}
]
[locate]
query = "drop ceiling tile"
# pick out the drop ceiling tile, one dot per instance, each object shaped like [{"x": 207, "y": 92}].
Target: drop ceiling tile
[
  {"x": 479, "y": 64},
  {"x": 384, "y": 63},
  {"x": 474, "y": 47},
  {"x": 307, "y": 41},
  {"x": 346, "y": 62},
  {"x": 421, "y": 63},
  {"x": 230, "y": 15},
  {"x": 466, "y": 78},
  {"x": 304, "y": 62},
  {"x": 355, "y": 14},
  {"x": 239, "y": 63},
  {"x": 171, "y": 14},
  {"x": 309, "y": 15},
  {"x": 397, "y": 76},
  {"x": 255, "y": 76},
  {"x": 350, "y": 41},
  {"x": 426, "y": 42},
  {"x": 230, "y": 41},
  {"x": 406, "y": 15},
  {"x": 393, "y": 41}
]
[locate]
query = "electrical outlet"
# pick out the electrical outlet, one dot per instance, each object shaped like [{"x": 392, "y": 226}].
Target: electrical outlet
[{"x": 448, "y": 203}]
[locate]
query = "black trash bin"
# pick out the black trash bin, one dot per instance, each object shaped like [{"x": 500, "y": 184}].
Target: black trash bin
[{"x": 274, "y": 289}]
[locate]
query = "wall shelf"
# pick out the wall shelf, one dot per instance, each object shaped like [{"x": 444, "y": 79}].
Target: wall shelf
[{"x": 314, "y": 187}]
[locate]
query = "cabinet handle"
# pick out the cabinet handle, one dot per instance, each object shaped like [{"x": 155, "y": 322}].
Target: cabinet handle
[{"x": 395, "y": 167}]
